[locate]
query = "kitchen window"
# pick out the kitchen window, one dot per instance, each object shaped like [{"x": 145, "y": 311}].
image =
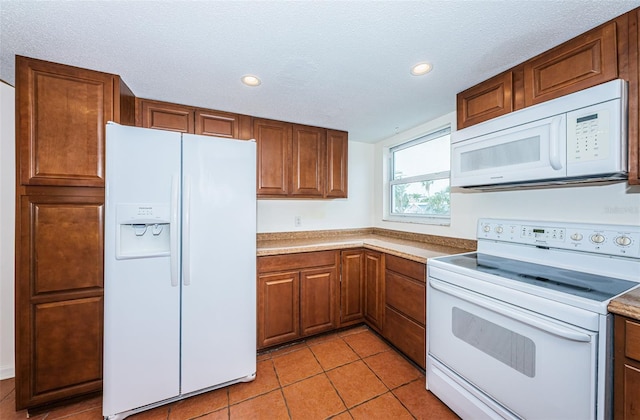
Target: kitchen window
[{"x": 419, "y": 178}]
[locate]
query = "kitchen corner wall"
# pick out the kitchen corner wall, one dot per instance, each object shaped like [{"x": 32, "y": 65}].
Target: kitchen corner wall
[
  {"x": 353, "y": 212},
  {"x": 7, "y": 220},
  {"x": 614, "y": 203}
]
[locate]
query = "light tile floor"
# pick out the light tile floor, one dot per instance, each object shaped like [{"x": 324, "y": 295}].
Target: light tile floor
[{"x": 351, "y": 374}]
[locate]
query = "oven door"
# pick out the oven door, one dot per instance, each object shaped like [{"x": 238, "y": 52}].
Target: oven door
[{"x": 534, "y": 366}]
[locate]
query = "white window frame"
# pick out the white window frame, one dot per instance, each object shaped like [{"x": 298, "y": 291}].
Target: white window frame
[{"x": 388, "y": 214}]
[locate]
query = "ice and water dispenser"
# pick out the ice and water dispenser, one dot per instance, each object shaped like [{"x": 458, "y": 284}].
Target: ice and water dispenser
[{"x": 143, "y": 230}]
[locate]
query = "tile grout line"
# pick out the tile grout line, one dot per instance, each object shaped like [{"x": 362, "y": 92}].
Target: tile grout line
[{"x": 389, "y": 390}]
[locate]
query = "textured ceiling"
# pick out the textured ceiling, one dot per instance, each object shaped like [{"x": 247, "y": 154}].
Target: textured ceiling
[{"x": 336, "y": 64}]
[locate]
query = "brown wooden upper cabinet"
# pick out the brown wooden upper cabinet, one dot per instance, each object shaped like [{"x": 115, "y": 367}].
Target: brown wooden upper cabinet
[
  {"x": 582, "y": 62},
  {"x": 61, "y": 116},
  {"x": 300, "y": 161},
  {"x": 188, "y": 119},
  {"x": 274, "y": 149},
  {"x": 337, "y": 165},
  {"x": 486, "y": 100},
  {"x": 308, "y": 156},
  {"x": 166, "y": 116},
  {"x": 587, "y": 60},
  {"x": 634, "y": 97}
]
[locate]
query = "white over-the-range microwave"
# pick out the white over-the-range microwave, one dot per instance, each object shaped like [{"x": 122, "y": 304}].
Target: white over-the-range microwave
[{"x": 581, "y": 137}]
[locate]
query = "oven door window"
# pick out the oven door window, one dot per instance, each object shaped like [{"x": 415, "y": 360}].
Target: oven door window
[{"x": 532, "y": 365}]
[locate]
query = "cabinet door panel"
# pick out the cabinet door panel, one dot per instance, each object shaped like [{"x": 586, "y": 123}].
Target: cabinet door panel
[
  {"x": 374, "y": 289},
  {"x": 278, "y": 308},
  {"x": 405, "y": 334},
  {"x": 67, "y": 244},
  {"x": 318, "y": 300},
  {"x": 412, "y": 269},
  {"x": 219, "y": 124},
  {"x": 61, "y": 117},
  {"x": 406, "y": 295},
  {"x": 631, "y": 392},
  {"x": 352, "y": 287},
  {"x": 308, "y": 161},
  {"x": 632, "y": 340},
  {"x": 167, "y": 116},
  {"x": 59, "y": 279},
  {"x": 486, "y": 100},
  {"x": 69, "y": 343},
  {"x": 274, "y": 148},
  {"x": 582, "y": 62},
  {"x": 336, "y": 184}
]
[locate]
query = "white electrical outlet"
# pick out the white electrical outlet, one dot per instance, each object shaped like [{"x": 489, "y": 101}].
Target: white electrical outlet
[{"x": 297, "y": 221}]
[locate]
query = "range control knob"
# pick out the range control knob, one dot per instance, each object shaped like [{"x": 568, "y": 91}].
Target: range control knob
[
  {"x": 499, "y": 229},
  {"x": 623, "y": 240},
  {"x": 597, "y": 238},
  {"x": 576, "y": 237},
  {"x": 486, "y": 228}
]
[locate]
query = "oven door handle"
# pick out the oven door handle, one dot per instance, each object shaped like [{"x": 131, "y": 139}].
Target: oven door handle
[{"x": 501, "y": 309}]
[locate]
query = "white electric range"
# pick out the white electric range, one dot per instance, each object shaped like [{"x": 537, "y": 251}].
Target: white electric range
[{"x": 520, "y": 328}]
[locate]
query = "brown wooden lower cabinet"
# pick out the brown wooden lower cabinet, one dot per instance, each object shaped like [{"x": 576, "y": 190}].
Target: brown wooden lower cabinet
[
  {"x": 352, "y": 287},
  {"x": 374, "y": 289},
  {"x": 278, "y": 308},
  {"x": 405, "y": 306},
  {"x": 297, "y": 296},
  {"x": 406, "y": 334},
  {"x": 59, "y": 294},
  {"x": 626, "y": 368},
  {"x": 318, "y": 300}
]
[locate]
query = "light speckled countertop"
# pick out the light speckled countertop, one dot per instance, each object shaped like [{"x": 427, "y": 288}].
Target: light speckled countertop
[
  {"x": 627, "y": 304},
  {"x": 414, "y": 247}
]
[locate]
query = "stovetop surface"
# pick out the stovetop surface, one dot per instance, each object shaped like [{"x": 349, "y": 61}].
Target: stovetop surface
[{"x": 586, "y": 285}]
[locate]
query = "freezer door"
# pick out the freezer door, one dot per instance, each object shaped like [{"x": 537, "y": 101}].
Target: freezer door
[
  {"x": 141, "y": 305},
  {"x": 219, "y": 261}
]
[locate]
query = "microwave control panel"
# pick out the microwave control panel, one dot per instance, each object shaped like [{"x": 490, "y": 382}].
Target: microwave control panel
[
  {"x": 588, "y": 136},
  {"x": 596, "y": 139}
]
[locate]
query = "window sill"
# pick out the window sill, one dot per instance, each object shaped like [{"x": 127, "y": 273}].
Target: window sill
[{"x": 437, "y": 221}]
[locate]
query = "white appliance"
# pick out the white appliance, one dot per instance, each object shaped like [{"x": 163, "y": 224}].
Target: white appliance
[
  {"x": 580, "y": 137},
  {"x": 520, "y": 328},
  {"x": 180, "y": 266}
]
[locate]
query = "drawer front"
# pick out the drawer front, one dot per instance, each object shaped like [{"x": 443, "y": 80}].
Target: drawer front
[
  {"x": 297, "y": 261},
  {"x": 632, "y": 340},
  {"x": 408, "y": 268},
  {"x": 406, "y": 295},
  {"x": 405, "y": 334}
]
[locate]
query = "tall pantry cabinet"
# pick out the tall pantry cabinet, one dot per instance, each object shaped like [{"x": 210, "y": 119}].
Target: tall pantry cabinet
[{"x": 61, "y": 112}]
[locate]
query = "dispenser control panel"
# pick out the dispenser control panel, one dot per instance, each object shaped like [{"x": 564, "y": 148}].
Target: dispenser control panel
[{"x": 143, "y": 230}]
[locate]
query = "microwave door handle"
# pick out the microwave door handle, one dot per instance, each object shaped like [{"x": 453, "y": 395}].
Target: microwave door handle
[{"x": 554, "y": 143}]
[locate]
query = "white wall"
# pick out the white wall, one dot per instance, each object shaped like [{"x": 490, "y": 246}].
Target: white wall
[
  {"x": 353, "y": 212},
  {"x": 616, "y": 203},
  {"x": 7, "y": 219}
]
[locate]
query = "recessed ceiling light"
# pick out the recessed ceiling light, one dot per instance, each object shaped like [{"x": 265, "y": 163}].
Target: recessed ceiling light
[
  {"x": 421, "y": 68},
  {"x": 250, "y": 80}
]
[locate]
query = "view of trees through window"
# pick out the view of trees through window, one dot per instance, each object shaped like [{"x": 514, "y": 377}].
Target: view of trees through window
[{"x": 420, "y": 179}]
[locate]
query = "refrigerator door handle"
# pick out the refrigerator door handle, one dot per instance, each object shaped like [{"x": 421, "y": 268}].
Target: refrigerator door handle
[
  {"x": 174, "y": 235},
  {"x": 186, "y": 232}
]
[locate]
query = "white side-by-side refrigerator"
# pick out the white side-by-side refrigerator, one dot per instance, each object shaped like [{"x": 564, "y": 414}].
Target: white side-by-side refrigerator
[{"x": 180, "y": 266}]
